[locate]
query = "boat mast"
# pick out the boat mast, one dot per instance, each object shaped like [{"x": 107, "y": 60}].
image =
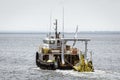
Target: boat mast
[
  {"x": 62, "y": 55},
  {"x": 63, "y": 23},
  {"x": 56, "y": 33},
  {"x": 50, "y": 23}
]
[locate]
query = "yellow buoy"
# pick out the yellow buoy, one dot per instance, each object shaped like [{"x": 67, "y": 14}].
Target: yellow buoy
[{"x": 84, "y": 66}]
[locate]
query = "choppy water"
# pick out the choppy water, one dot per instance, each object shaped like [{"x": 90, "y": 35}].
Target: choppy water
[{"x": 17, "y": 58}]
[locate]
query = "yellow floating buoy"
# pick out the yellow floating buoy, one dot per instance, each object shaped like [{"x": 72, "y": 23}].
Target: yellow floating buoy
[{"x": 84, "y": 66}]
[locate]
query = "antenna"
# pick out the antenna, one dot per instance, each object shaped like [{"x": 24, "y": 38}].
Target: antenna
[
  {"x": 50, "y": 23},
  {"x": 56, "y": 34}
]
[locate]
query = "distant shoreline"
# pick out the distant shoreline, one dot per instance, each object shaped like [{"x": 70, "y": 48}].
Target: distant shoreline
[{"x": 82, "y": 32}]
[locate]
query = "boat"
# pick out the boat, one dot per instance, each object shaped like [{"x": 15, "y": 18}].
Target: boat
[{"x": 55, "y": 53}]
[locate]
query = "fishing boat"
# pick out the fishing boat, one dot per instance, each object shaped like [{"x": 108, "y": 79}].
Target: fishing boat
[{"x": 55, "y": 53}]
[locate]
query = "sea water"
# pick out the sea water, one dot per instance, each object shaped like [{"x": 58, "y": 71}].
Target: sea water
[{"x": 17, "y": 58}]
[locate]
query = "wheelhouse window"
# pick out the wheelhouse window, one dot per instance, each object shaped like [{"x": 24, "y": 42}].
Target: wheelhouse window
[
  {"x": 46, "y": 41},
  {"x": 52, "y": 42},
  {"x": 49, "y": 41}
]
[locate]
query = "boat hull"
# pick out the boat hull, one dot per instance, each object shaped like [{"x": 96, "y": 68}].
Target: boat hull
[{"x": 54, "y": 65}]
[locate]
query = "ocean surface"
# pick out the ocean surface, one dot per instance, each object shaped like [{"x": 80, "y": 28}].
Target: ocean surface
[{"x": 17, "y": 58}]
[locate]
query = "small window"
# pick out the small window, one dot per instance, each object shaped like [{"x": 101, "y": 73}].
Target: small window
[
  {"x": 45, "y": 41},
  {"x": 52, "y": 42}
]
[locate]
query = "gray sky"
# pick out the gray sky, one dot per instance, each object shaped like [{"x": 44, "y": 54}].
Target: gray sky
[{"x": 34, "y": 15}]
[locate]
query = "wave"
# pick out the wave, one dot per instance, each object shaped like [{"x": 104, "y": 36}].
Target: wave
[{"x": 97, "y": 74}]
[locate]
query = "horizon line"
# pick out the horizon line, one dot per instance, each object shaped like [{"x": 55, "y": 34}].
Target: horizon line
[{"x": 33, "y": 32}]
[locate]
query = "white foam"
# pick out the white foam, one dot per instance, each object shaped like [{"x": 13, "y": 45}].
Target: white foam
[
  {"x": 36, "y": 68},
  {"x": 96, "y": 74},
  {"x": 72, "y": 72}
]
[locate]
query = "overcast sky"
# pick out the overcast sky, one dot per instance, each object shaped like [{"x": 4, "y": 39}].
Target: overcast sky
[{"x": 34, "y": 15}]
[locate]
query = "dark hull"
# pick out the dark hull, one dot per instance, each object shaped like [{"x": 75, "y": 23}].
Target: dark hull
[
  {"x": 51, "y": 65},
  {"x": 44, "y": 65}
]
